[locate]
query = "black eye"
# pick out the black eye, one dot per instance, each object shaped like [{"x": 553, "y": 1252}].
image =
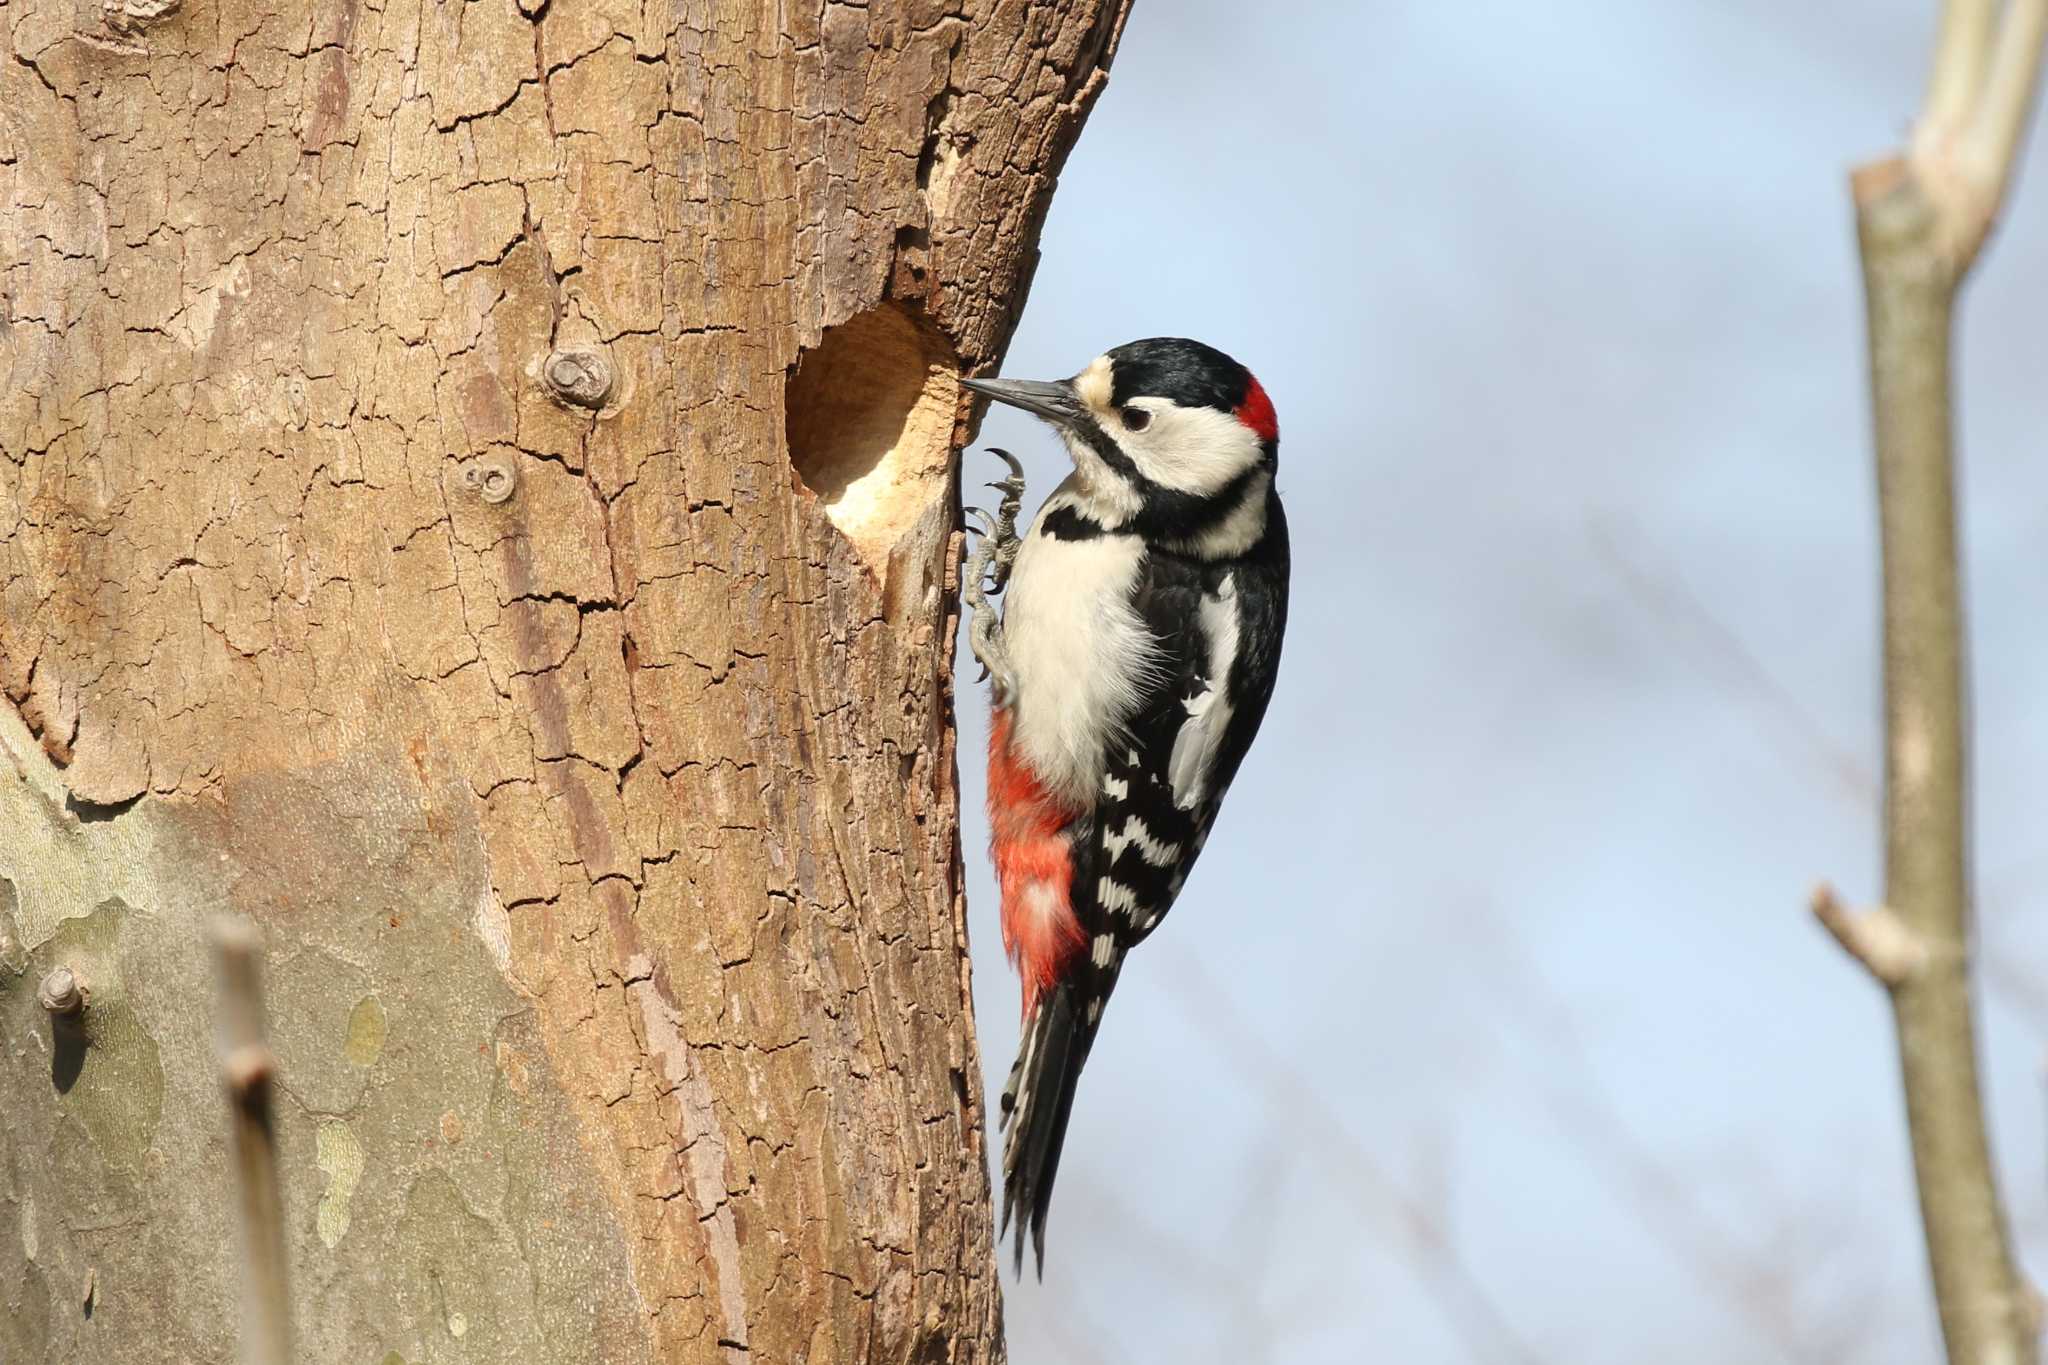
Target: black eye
[{"x": 1135, "y": 419}]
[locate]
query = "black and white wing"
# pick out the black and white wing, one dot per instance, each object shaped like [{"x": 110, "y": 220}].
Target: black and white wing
[{"x": 1218, "y": 627}]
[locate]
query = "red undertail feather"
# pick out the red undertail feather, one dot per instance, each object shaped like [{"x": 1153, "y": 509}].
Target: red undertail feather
[
  {"x": 1034, "y": 865},
  {"x": 1256, "y": 412}
]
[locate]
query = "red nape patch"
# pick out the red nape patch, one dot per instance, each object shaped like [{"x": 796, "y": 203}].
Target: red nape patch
[
  {"x": 1256, "y": 412},
  {"x": 1034, "y": 866}
]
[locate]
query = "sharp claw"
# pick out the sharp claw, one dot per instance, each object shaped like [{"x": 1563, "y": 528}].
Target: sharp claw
[{"x": 987, "y": 570}]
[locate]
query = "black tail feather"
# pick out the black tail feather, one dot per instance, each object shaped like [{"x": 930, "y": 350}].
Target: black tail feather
[{"x": 1037, "y": 1102}]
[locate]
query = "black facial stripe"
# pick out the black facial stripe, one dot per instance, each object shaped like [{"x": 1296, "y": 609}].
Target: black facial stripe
[
  {"x": 1169, "y": 511},
  {"x": 1104, "y": 444},
  {"x": 1187, "y": 372}
]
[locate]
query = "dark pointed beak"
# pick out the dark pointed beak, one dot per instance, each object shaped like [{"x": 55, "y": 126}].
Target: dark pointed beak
[{"x": 1055, "y": 402}]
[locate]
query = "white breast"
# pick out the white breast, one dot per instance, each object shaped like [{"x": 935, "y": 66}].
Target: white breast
[{"x": 1078, "y": 651}]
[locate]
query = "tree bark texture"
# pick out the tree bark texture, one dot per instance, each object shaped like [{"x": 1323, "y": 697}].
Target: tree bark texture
[{"x": 479, "y": 499}]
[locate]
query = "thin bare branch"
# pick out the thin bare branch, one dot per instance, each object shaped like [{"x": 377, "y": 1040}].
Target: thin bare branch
[
  {"x": 1921, "y": 220},
  {"x": 1991, "y": 144},
  {"x": 1673, "y": 604},
  {"x": 248, "y": 1067},
  {"x": 1966, "y": 140},
  {"x": 1962, "y": 49}
]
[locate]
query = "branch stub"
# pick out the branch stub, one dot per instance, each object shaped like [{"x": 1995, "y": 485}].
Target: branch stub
[
  {"x": 581, "y": 379},
  {"x": 61, "y": 992},
  {"x": 493, "y": 479},
  {"x": 1890, "y": 949}
]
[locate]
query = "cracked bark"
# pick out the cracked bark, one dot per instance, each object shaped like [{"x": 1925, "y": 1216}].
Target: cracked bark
[{"x": 602, "y": 832}]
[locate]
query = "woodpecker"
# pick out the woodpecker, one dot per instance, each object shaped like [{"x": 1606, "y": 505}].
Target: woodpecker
[{"x": 1130, "y": 667}]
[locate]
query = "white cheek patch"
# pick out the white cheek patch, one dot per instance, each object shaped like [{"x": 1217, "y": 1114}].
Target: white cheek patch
[{"x": 1190, "y": 450}]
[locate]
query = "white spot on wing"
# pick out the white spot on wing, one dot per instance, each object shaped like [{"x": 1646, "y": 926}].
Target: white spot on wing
[
  {"x": 1115, "y": 788},
  {"x": 1156, "y": 852},
  {"x": 1105, "y": 950},
  {"x": 1114, "y": 895},
  {"x": 1201, "y": 734},
  {"x": 1020, "y": 1104}
]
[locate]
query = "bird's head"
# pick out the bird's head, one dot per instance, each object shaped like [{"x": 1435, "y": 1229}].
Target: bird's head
[{"x": 1168, "y": 436}]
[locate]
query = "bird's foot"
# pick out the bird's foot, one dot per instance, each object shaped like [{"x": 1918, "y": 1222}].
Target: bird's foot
[
  {"x": 1005, "y": 537},
  {"x": 988, "y": 571}
]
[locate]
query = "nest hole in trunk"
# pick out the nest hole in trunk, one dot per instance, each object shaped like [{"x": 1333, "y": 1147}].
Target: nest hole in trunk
[{"x": 870, "y": 416}]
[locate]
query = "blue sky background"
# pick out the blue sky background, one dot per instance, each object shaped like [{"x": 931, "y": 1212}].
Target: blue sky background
[{"x": 1492, "y": 1026}]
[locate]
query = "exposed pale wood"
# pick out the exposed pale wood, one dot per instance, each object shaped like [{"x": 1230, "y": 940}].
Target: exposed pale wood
[{"x": 594, "y": 793}]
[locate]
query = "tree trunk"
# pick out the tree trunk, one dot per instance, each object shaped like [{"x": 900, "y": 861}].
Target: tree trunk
[{"x": 479, "y": 500}]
